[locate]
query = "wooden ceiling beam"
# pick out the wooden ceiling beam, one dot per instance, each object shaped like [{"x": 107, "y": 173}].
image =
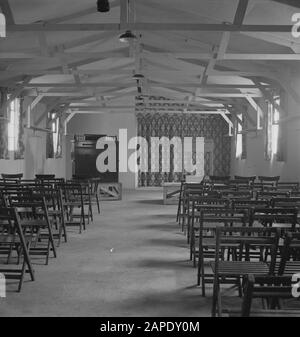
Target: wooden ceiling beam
[
  {"x": 146, "y": 26},
  {"x": 240, "y": 12}
]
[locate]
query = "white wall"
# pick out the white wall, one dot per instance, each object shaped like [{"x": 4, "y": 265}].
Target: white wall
[
  {"x": 108, "y": 124},
  {"x": 255, "y": 164},
  {"x": 35, "y": 161}
]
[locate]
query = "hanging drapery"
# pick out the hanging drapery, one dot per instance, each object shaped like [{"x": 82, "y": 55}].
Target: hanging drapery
[
  {"x": 282, "y": 131},
  {"x": 54, "y": 138},
  {"x": 268, "y": 132},
  {"x": 49, "y": 139},
  {"x": 4, "y": 154},
  {"x": 60, "y": 130},
  {"x": 20, "y": 150},
  {"x": 183, "y": 125}
]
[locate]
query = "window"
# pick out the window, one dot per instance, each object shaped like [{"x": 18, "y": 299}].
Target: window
[
  {"x": 53, "y": 138},
  {"x": 55, "y": 134},
  {"x": 13, "y": 125},
  {"x": 239, "y": 138},
  {"x": 275, "y": 126}
]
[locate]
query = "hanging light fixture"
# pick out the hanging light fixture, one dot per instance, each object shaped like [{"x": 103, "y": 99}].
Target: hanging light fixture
[
  {"x": 127, "y": 36},
  {"x": 103, "y": 6},
  {"x": 138, "y": 76}
]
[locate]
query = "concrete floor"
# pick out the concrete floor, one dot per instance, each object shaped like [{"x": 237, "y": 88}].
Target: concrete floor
[{"x": 132, "y": 261}]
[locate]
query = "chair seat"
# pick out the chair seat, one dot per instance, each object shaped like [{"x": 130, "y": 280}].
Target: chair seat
[
  {"x": 33, "y": 223},
  {"x": 241, "y": 268},
  {"x": 266, "y": 313},
  {"x": 73, "y": 203},
  {"x": 12, "y": 239}
]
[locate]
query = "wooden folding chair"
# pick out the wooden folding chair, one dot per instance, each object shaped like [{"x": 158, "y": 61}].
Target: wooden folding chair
[
  {"x": 34, "y": 219},
  {"x": 72, "y": 198},
  {"x": 12, "y": 178},
  {"x": 210, "y": 219},
  {"x": 284, "y": 218},
  {"x": 199, "y": 204},
  {"x": 53, "y": 198},
  {"x": 290, "y": 255},
  {"x": 270, "y": 289},
  {"x": 12, "y": 237},
  {"x": 247, "y": 239}
]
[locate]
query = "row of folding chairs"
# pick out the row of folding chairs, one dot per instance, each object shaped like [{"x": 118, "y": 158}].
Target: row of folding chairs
[
  {"x": 230, "y": 238},
  {"x": 34, "y": 217}
]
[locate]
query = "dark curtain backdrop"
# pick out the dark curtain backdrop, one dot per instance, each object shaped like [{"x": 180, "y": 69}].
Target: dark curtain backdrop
[{"x": 185, "y": 125}]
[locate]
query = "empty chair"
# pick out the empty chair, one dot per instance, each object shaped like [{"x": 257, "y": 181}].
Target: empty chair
[
  {"x": 34, "y": 219},
  {"x": 271, "y": 289},
  {"x": 12, "y": 178},
  {"x": 210, "y": 220},
  {"x": 72, "y": 199},
  {"x": 269, "y": 181},
  {"x": 283, "y": 218},
  {"x": 12, "y": 238},
  {"x": 290, "y": 255},
  {"x": 232, "y": 271}
]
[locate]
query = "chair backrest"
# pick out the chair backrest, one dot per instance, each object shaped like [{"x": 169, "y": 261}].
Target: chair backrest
[
  {"x": 247, "y": 238},
  {"x": 245, "y": 179},
  {"x": 10, "y": 220},
  {"x": 294, "y": 186},
  {"x": 246, "y": 194},
  {"x": 271, "y": 216},
  {"x": 271, "y": 287},
  {"x": 221, "y": 216},
  {"x": 286, "y": 202},
  {"x": 30, "y": 206},
  {"x": 249, "y": 204},
  {"x": 200, "y": 203},
  {"x": 219, "y": 178},
  {"x": 291, "y": 249},
  {"x": 269, "y": 179},
  {"x": 13, "y": 178},
  {"x": 45, "y": 176},
  {"x": 271, "y": 194}
]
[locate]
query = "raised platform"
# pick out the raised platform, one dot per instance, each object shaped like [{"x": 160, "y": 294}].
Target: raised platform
[{"x": 110, "y": 191}]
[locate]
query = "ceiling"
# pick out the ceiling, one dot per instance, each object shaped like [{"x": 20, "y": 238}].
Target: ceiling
[{"x": 204, "y": 55}]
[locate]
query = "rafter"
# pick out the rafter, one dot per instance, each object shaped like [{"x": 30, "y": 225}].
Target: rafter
[
  {"x": 240, "y": 12},
  {"x": 148, "y": 26}
]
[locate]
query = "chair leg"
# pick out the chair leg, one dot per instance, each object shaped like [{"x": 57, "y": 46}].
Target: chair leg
[
  {"x": 48, "y": 253},
  {"x": 22, "y": 275},
  {"x": 215, "y": 297},
  {"x": 98, "y": 204}
]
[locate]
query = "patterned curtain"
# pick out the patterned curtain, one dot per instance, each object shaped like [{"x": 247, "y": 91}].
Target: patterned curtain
[
  {"x": 183, "y": 125},
  {"x": 19, "y": 153},
  {"x": 4, "y": 154}
]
